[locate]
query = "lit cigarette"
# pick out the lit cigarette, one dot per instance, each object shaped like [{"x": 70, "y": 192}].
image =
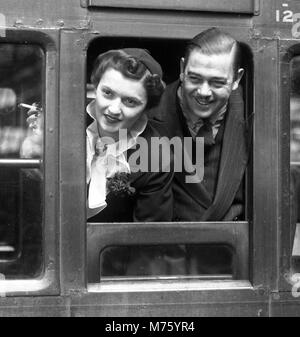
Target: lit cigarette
[{"x": 33, "y": 107}]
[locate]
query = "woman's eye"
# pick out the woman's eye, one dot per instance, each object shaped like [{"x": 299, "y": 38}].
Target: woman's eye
[
  {"x": 130, "y": 102},
  {"x": 107, "y": 92}
]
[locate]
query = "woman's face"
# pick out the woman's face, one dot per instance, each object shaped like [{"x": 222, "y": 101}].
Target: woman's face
[{"x": 120, "y": 102}]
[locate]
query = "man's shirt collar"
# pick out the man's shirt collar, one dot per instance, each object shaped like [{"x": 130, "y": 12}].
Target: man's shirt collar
[{"x": 195, "y": 125}]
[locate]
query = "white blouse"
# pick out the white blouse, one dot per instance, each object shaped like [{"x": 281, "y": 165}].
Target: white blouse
[{"x": 107, "y": 160}]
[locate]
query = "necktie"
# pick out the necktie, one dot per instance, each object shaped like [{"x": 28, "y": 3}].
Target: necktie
[
  {"x": 100, "y": 148},
  {"x": 206, "y": 132}
]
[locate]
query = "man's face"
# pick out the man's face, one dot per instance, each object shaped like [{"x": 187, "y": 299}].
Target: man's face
[{"x": 207, "y": 83}]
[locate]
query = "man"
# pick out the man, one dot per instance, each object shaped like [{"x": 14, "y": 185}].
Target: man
[{"x": 206, "y": 102}]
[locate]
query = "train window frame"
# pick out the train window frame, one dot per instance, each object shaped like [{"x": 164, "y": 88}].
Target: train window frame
[
  {"x": 47, "y": 283},
  {"x": 93, "y": 231},
  {"x": 121, "y": 295}
]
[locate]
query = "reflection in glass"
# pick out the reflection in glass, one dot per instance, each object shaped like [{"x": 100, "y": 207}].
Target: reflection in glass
[
  {"x": 205, "y": 260},
  {"x": 21, "y": 209}
]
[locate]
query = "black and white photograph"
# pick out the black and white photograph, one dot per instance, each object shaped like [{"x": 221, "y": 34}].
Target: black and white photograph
[{"x": 150, "y": 161}]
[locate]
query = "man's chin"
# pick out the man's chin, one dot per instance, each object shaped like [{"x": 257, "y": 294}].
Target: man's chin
[{"x": 203, "y": 113}]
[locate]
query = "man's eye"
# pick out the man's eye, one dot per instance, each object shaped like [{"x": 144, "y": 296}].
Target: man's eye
[
  {"x": 195, "y": 79},
  {"x": 218, "y": 84}
]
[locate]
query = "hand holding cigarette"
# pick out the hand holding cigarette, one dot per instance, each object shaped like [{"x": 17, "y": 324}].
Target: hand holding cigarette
[
  {"x": 32, "y": 146},
  {"x": 35, "y": 118},
  {"x": 33, "y": 107}
]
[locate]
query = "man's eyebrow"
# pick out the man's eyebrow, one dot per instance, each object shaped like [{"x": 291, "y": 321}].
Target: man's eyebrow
[
  {"x": 219, "y": 78},
  {"x": 215, "y": 78},
  {"x": 193, "y": 73}
]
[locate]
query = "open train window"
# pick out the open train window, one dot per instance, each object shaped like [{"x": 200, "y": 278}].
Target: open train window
[
  {"x": 21, "y": 174},
  {"x": 110, "y": 245}
]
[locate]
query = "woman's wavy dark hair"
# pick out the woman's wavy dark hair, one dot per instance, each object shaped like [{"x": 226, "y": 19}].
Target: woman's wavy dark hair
[{"x": 130, "y": 68}]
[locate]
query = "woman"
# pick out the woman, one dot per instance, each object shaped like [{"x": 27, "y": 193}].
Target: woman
[{"x": 127, "y": 83}]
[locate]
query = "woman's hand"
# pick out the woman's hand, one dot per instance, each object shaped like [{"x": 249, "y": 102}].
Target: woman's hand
[
  {"x": 32, "y": 146},
  {"x": 35, "y": 119}
]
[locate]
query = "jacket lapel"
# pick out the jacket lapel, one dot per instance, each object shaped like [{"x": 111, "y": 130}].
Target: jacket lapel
[
  {"x": 177, "y": 127},
  {"x": 233, "y": 159}
]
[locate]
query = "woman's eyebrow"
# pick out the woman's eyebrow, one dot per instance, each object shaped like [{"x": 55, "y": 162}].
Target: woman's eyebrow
[
  {"x": 136, "y": 99},
  {"x": 104, "y": 86}
]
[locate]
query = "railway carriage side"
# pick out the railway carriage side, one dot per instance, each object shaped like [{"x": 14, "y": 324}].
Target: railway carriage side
[{"x": 50, "y": 254}]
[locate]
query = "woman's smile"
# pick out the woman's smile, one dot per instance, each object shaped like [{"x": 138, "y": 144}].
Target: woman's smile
[{"x": 111, "y": 119}]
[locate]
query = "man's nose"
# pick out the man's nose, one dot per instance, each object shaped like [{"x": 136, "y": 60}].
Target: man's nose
[
  {"x": 204, "y": 90},
  {"x": 115, "y": 107}
]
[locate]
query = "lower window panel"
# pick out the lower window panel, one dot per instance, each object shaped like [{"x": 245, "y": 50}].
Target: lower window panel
[
  {"x": 21, "y": 218},
  {"x": 168, "y": 260}
]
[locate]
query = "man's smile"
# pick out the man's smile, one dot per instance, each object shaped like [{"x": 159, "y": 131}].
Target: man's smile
[{"x": 203, "y": 102}]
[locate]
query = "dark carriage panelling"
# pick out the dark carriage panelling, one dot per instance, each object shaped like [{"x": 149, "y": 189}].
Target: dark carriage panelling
[
  {"x": 35, "y": 307},
  {"x": 42, "y": 14},
  {"x": 265, "y": 18},
  {"x": 285, "y": 304}
]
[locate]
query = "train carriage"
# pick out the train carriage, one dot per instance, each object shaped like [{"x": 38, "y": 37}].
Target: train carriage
[{"x": 50, "y": 254}]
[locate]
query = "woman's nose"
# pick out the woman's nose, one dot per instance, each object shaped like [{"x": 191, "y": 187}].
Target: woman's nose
[{"x": 115, "y": 107}]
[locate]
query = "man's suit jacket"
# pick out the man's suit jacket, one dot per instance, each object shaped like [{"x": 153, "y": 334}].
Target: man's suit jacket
[{"x": 190, "y": 199}]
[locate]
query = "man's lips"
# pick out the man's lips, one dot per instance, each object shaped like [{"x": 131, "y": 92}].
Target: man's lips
[{"x": 203, "y": 102}]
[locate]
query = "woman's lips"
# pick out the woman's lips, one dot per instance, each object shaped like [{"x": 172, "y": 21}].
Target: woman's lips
[{"x": 111, "y": 119}]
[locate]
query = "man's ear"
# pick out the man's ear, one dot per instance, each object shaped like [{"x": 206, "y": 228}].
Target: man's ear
[{"x": 239, "y": 76}]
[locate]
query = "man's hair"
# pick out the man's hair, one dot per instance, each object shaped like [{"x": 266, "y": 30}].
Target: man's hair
[
  {"x": 131, "y": 68},
  {"x": 213, "y": 41}
]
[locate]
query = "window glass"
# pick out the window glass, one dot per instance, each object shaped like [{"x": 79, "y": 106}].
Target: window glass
[
  {"x": 295, "y": 159},
  {"x": 216, "y": 261},
  {"x": 21, "y": 175}
]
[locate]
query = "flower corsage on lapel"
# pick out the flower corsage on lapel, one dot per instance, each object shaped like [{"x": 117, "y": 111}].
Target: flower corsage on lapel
[{"x": 119, "y": 185}]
